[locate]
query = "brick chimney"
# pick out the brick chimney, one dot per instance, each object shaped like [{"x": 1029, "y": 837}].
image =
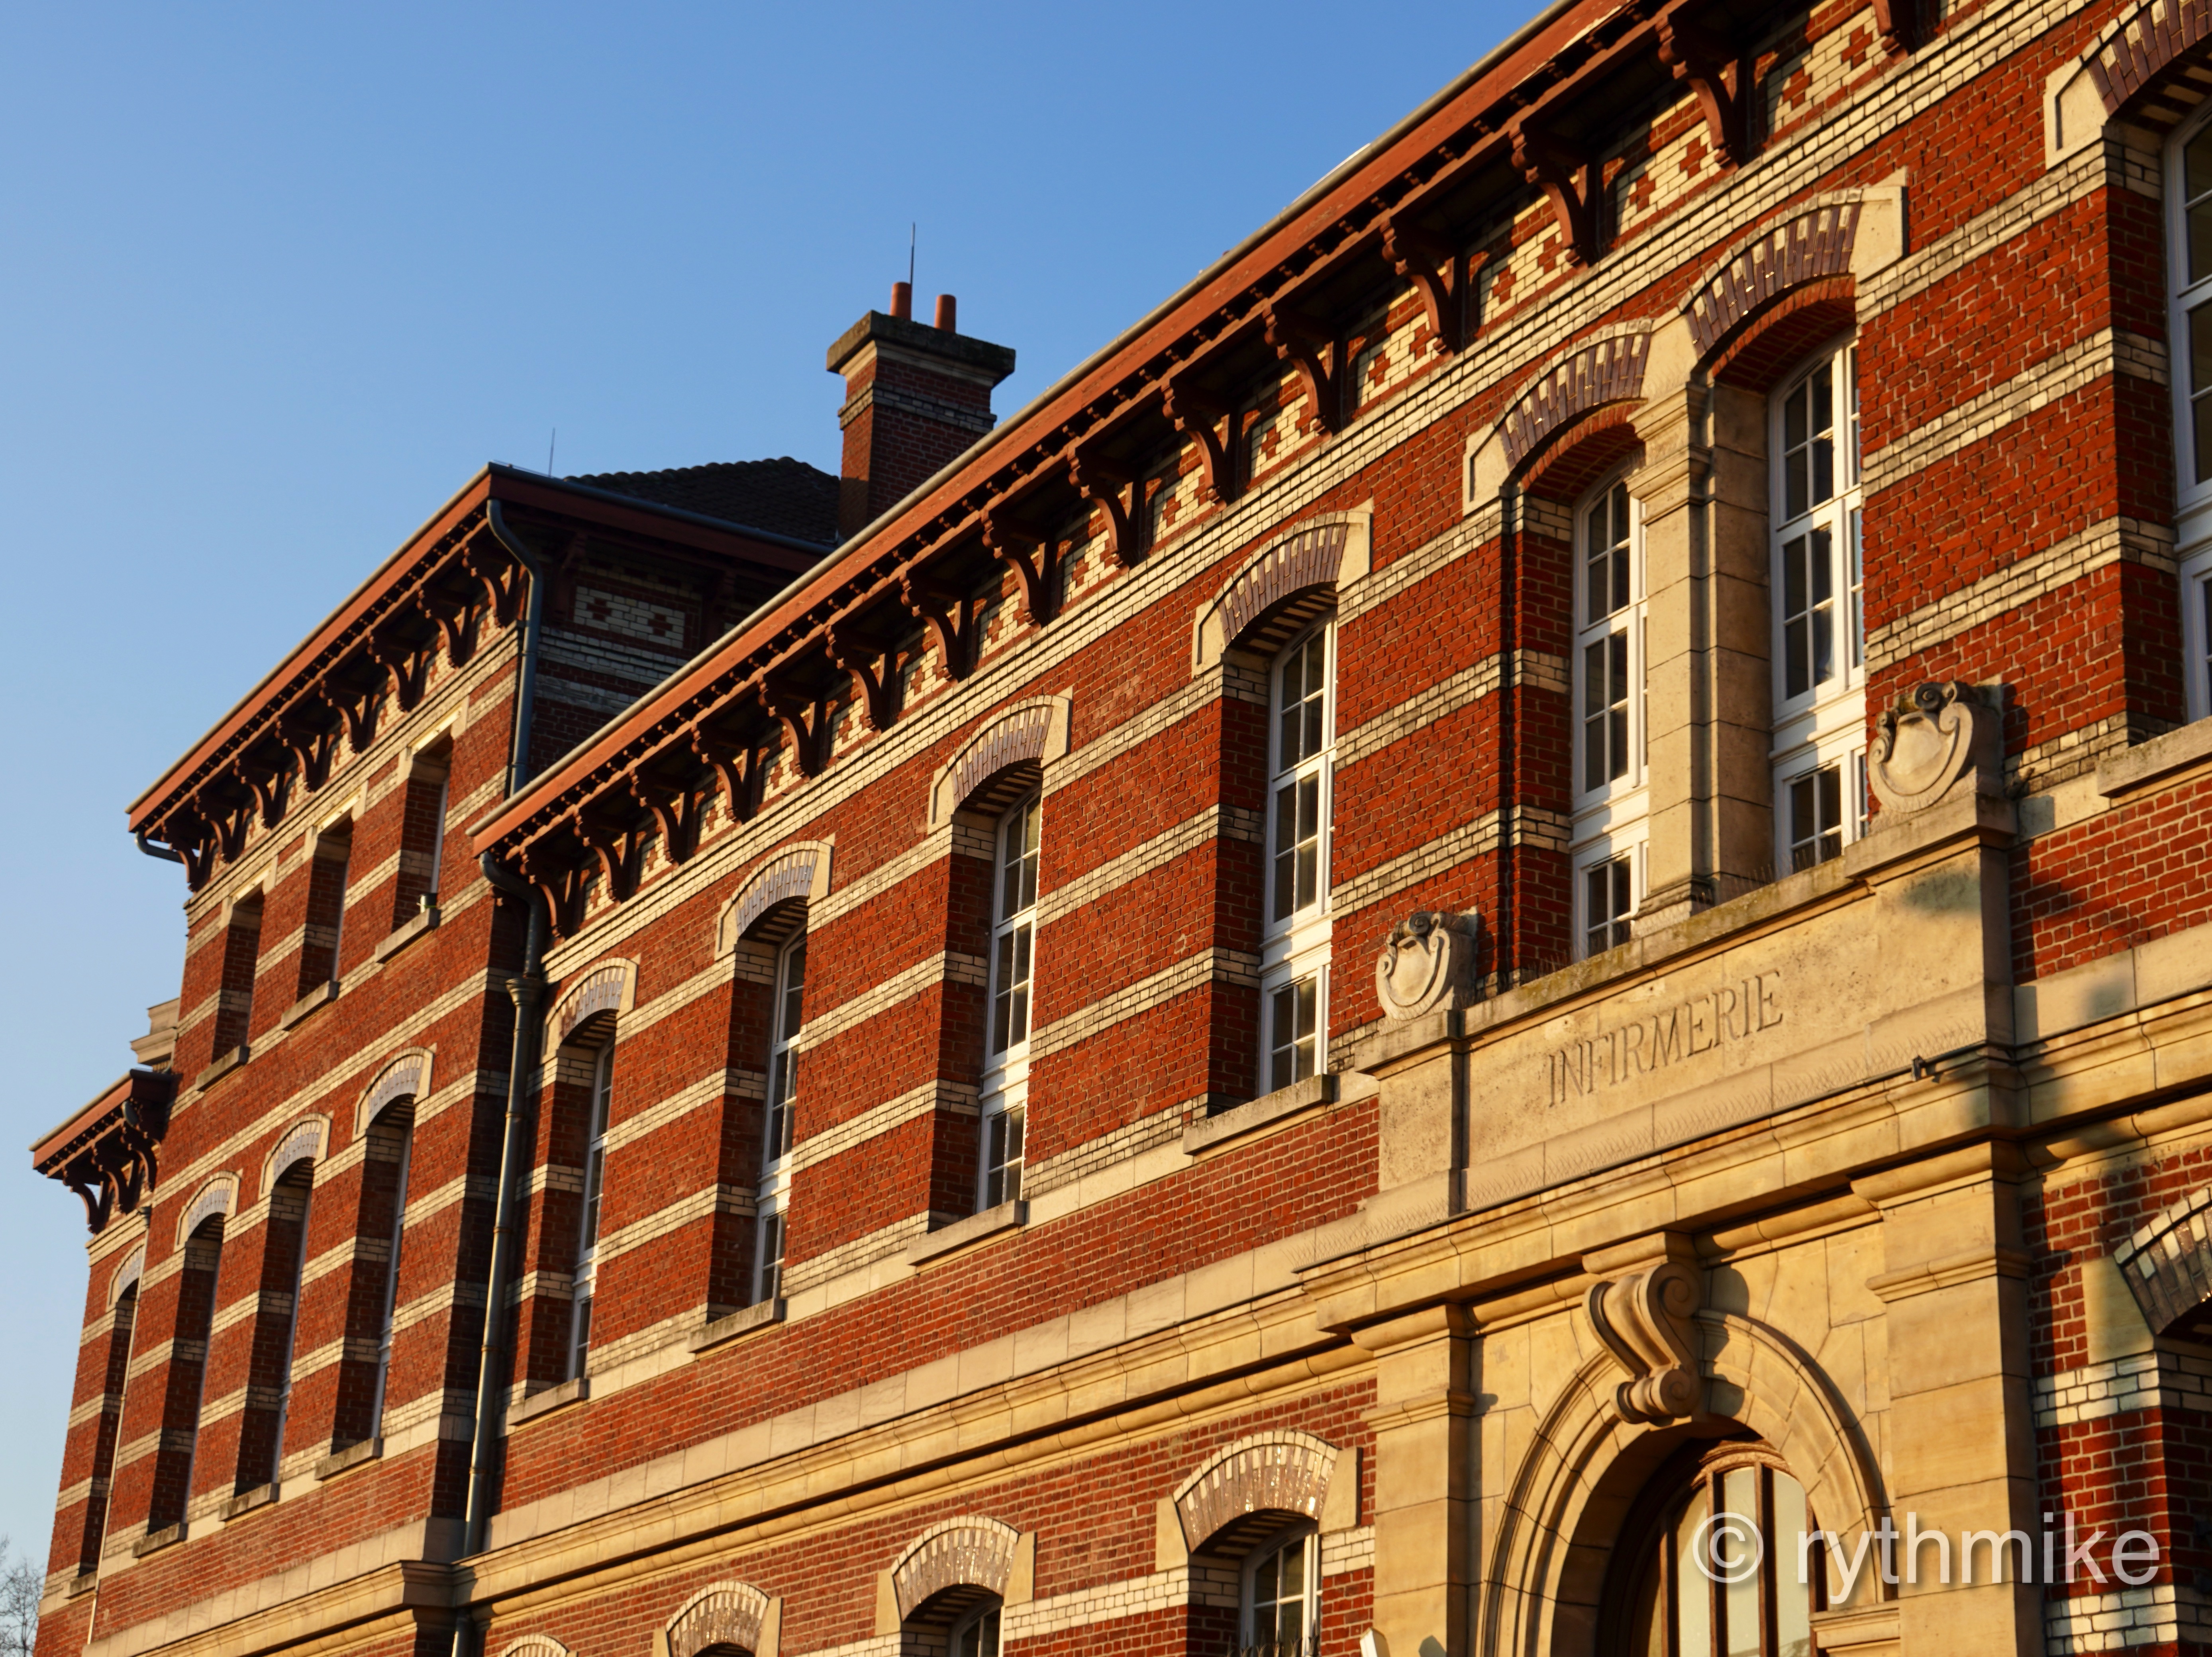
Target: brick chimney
[{"x": 915, "y": 396}]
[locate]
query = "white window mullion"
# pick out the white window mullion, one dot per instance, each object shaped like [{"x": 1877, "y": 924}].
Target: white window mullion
[
  {"x": 1295, "y": 947},
  {"x": 1018, "y": 848},
  {"x": 585, "y": 1275}
]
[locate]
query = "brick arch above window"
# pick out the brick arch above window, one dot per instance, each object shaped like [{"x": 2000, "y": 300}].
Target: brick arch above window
[
  {"x": 2167, "y": 1262},
  {"x": 1597, "y": 375},
  {"x": 1284, "y": 1473},
  {"x": 303, "y": 1141},
  {"x": 723, "y": 1614},
  {"x": 2135, "y": 65},
  {"x": 537, "y": 1645},
  {"x": 407, "y": 1076},
  {"x": 218, "y": 1196},
  {"x": 1320, "y": 557},
  {"x": 1031, "y": 732},
  {"x": 605, "y": 986},
  {"x": 126, "y": 1275},
  {"x": 798, "y": 871},
  {"x": 971, "y": 1552}
]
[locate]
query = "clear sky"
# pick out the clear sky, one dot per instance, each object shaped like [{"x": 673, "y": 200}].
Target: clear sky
[{"x": 275, "y": 281}]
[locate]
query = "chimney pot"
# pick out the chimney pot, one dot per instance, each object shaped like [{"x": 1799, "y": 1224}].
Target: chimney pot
[
  {"x": 902, "y": 301},
  {"x": 947, "y": 313}
]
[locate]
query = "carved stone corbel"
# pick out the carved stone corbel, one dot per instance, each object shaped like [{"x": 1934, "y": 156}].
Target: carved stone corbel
[
  {"x": 1427, "y": 963},
  {"x": 1642, "y": 1318},
  {"x": 1943, "y": 739}
]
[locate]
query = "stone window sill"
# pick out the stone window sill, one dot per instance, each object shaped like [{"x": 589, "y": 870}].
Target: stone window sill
[
  {"x": 354, "y": 1455},
  {"x": 406, "y": 932},
  {"x": 321, "y": 996},
  {"x": 239, "y": 1506},
  {"x": 223, "y": 1066},
  {"x": 82, "y": 1582},
  {"x": 764, "y": 1315},
  {"x": 552, "y": 1398},
  {"x": 2156, "y": 760},
  {"x": 1006, "y": 1216},
  {"x": 155, "y": 1541},
  {"x": 1203, "y": 1133}
]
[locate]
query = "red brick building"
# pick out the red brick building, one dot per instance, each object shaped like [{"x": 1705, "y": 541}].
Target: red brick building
[{"x": 1497, "y": 942}]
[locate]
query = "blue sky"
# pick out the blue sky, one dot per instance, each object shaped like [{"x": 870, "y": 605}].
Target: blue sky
[{"x": 274, "y": 281}]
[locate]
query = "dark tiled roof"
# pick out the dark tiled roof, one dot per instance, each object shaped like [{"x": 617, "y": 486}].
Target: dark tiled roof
[{"x": 782, "y": 496}]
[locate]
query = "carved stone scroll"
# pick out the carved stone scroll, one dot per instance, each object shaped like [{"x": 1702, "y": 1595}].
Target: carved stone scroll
[
  {"x": 1643, "y": 1320},
  {"x": 1427, "y": 963},
  {"x": 1943, "y": 739}
]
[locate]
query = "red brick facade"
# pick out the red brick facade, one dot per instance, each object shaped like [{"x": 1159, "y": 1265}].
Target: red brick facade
[{"x": 1753, "y": 1125}]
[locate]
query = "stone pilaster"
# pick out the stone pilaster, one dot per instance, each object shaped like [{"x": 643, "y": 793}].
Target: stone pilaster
[{"x": 1425, "y": 1480}]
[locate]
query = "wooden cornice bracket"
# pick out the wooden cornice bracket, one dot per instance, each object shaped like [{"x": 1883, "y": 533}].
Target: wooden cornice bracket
[
  {"x": 456, "y": 608},
  {"x": 563, "y": 882},
  {"x": 496, "y": 570},
  {"x": 1197, "y": 415},
  {"x": 271, "y": 785},
  {"x": 676, "y": 807},
  {"x": 807, "y": 715},
  {"x": 1569, "y": 181},
  {"x": 192, "y": 837},
  {"x": 405, "y": 662},
  {"x": 1033, "y": 552},
  {"x": 1105, "y": 483},
  {"x": 877, "y": 669},
  {"x": 950, "y": 613},
  {"x": 232, "y": 825},
  {"x": 618, "y": 847},
  {"x": 314, "y": 742},
  {"x": 738, "y": 766},
  {"x": 1438, "y": 272},
  {"x": 1895, "y": 21},
  {"x": 1719, "y": 74},
  {"x": 1302, "y": 342}
]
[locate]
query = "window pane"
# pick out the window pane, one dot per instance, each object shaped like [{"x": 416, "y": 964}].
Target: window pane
[
  {"x": 2197, "y": 165},
  {"x": 1796, "y": 427},
  {"x": 1740, "y": 1598},
  {"x": 2200, "y": 241},
  {"x": 1794, "y": 582},
  {"x": 1693, "y": 1610},
  {"x": 1793, "y": 1571},
  {"x": 1796, "y": 486},
  {"x": 1798, "y": 675}
]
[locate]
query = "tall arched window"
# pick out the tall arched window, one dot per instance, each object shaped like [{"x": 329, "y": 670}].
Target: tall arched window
[
  {"x": 395, "y": 1125},
  {"x": 1013, "y": 966},
  {"x": 1819, "y": 638},
  {"x": 1294, "y": 949},
  {"x": 1722, "y": 1560},
  {"x": 291, "y": 1199},
  {"x": 198, "y": 1279},
  {"x": 1611, "y": 800},
  {"x": 1281, "y": 1596},
  {"x": 772, "y": 1200},
  {"x": 2189, "y": 266},
  {"x": 587, "y": 1225}
]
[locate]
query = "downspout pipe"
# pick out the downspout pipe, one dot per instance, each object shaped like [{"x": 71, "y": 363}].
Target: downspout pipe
[
  {"x": 526, "y": 988},
  {"x": 533, "y": 616}
]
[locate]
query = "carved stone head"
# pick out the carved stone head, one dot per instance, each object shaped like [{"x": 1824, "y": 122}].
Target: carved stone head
[
  {"x": 1427, "y": 963},
  {"x": 1943, "y": 738}
]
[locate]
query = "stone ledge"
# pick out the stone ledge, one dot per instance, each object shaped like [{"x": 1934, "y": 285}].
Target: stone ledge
[
  {"x": 763, "y": 1315},
  {"x": 239, "y": 1506},
  {"x": 83, "y": 1582},
  {"x": 223, "y": 1066},
  {"x": 1203, "y": 1133},
  {"x": 155, "y": 1541},
  {"x": 2156, "y": 760},
  {"x": 405, "y": 933},
  {"x": 354, "y": 1455},
  {"x": 1006, "y": 1216},
  {"x": 553, "y": 1398},
  {"x": 321, "y": 996}
]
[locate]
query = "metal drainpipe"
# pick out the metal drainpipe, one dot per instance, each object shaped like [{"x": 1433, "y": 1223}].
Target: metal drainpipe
[
  {"x": 526, "y": 988},
  {"x": 526, "y": 688},
  {"x": 1508, "y": 965},
  {"x": 169, "y": 854}
]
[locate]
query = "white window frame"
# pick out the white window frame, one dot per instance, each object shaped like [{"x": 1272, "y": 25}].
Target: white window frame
[
  {"x": 779, "y": 1131},
  {"x": 1003, "y": 1110},
  {"x": 2193, "y": 513},
  {"x": 985, "y": 1623},
  {"x": 1824, "y": 725},
  {"x": 583, "y": 1281},
  {"x": 1307, "y": 1538},
  {"x": 1295, "y": 946},
  {"x": 384, "y": 1334},
  {"x": 1611, "y": 821}
]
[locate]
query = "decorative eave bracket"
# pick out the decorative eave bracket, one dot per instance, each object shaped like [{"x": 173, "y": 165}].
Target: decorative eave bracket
[
  {"x": 107, "y": 1153},
  {"x": 1569, "y": 180},
  {"x": 1719, "y": 73}
]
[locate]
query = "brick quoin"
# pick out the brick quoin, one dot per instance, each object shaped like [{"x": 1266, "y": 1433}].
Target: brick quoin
[{"x": 1882, "y": 1172}]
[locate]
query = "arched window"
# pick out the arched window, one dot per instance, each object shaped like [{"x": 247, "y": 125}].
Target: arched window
[
  {"x": 1280, "y": 1603},
  {"x": 1819, "y": 653},
  {"x": 391, "y": 1140},
  {"x": 1294, "y": 949},
  {"x": 2189, "y": 266},
  {"x": 197, "y": 1280},
  {"x": 1013, "y": 965},
  {"x": 977, "y": 1634},
  {"x": 587, "y": 1225},
  {"x": 772, "y": 1200},
  {"x": 1722, "y": 1560},
  {"x": 1611, "y": 801},
  {"x": 291, "y": 1199}
]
